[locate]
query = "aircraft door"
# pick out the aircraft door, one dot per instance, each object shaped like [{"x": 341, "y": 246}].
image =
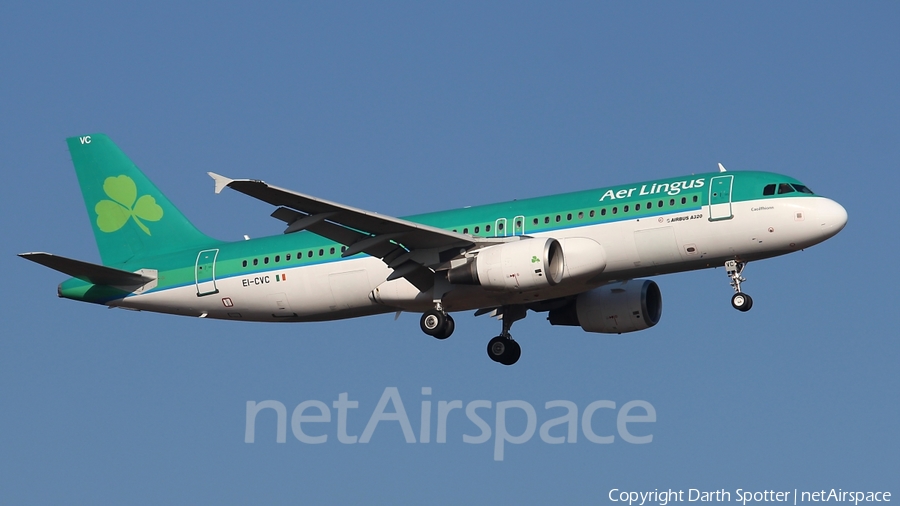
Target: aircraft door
[
  {"x": 519, "y": 225},
  {"x": 500, "y": 228},
  {"x": 720, "y": 198},
  {"x": 205, "y": 272}
]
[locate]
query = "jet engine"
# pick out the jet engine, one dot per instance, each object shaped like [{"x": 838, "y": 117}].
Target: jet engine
[
  {"x": 632, "y": 305},
  {"x": 527, "y": 264}
]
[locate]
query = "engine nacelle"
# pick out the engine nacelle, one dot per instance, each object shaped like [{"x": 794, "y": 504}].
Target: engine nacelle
[
  {"x": 613, "y": 309},
  {"x": 527, "y": 264},
  {"x": 585, "y": 258}
]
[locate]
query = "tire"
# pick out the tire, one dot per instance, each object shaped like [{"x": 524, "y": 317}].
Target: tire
[
  {"x": 504, "y": 350},
  {"x": 741, "y": 302},
  {"x": 496, "y": 348},
  {"x": 433, "y": 322},
  {"x": 513, "y": 352},
  {"x": 449, "y": 327}
]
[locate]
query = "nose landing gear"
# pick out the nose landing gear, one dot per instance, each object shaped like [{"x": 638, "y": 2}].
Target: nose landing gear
[{"x": 740, "y": 301}]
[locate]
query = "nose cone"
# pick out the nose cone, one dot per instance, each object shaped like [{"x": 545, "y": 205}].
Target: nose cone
[{"x": 832, "y": 217}]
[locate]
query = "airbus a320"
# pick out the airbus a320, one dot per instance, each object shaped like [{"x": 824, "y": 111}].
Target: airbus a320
[{"x": 579, "y": 257}]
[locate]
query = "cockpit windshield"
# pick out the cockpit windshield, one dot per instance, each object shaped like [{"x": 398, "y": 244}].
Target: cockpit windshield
[{"x": 782, "y": 188}]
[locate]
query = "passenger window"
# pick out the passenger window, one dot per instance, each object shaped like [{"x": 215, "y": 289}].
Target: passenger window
[
  {"x": 785, "y": 188},
  {"x": 255, "y": 261},
  {"x": 331, "y": 251},
  {"x": 287, "y": 258},
  {"x": 684, "y": 200},
  {"x": 546, "y": 219},
  {"x": 343, "y": 249},
  {"x": 769, "y": 189},
  {"x": 659, "y": 204},
  {"x": 309, "y": 254},
  {"x": 603, "y": 212},
  {"x": 321, "y": 252},
  {"x": 625, "y": 209},
  {"x": 581, "y": 215},
  {"x": 592, "y": 213},
  {"x": 245, "y": 263},
  {"x": 649, "y": 205},
  {"x": 569, "y": 217},
  {"x": 477, "y": 229},
  {"x": 615, "y": 210},
  {"x": 695, "y": 198},
  {"x": 535, "y": 221},
  {"x": 277, "y": 258},
  {"x": 466, "y": 230},
  {"x": 671, "y": 202},
  {"x": 266, "y": 260},
  {"x": 558, "y": 218},
  {"x": 487, "y": 228},
  {"x": 637, "y": 207}
]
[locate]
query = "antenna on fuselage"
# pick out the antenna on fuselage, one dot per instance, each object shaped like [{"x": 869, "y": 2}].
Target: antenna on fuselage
[{"x": 721, "y": 167}]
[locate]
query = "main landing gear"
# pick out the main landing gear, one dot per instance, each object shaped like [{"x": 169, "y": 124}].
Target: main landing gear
[
  {"x": 740, "y": 300},
  {"x": 503, "y": 349},
  {"x": 437, "y": 323}
]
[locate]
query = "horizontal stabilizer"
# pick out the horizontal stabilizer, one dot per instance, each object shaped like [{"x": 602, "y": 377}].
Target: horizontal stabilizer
[{"x": 92, "y": 273}]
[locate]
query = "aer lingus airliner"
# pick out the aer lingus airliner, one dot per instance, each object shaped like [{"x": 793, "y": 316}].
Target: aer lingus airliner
[{"x": 576, "y": 256}]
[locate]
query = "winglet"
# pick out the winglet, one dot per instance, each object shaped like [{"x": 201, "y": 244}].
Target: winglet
[
  {"x": 221, "y": 181},
  {"x": 721, "y": 169}
]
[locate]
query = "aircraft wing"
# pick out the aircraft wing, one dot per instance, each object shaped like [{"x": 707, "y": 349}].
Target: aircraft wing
[{"x": 413, "y": 250}]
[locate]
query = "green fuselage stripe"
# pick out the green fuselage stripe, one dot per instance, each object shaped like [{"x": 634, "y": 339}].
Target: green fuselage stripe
[{"x": 555, "y": 212}]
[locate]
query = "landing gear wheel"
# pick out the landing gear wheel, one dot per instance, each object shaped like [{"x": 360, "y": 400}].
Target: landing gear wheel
[
  {"x": 449, "y": 327},
  {"x": 496, "y": 348},
  {"x": 742, "y": 302},
  {"x": 515, "y": 351},
  {"x": 504, "y": 350},
  {"x": 433, "y": 322}
]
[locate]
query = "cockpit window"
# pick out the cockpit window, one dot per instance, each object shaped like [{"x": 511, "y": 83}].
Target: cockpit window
[{"x": 783, "y": 188}]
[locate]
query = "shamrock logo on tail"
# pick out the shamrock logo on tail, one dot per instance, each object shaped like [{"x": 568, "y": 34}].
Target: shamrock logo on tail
[{"x": 114, "y": 214}]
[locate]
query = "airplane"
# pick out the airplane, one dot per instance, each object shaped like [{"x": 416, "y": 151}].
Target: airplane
[{"x": 579, "y": 257}]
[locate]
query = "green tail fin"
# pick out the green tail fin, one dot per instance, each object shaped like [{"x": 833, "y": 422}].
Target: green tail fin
[{"x": 131, "y": 218}]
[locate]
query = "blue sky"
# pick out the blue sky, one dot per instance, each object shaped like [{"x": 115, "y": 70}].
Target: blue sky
[{"x": 404, "y": 108}]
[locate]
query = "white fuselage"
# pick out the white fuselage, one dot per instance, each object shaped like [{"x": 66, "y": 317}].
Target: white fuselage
[{"x": 633, "y": 248}]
